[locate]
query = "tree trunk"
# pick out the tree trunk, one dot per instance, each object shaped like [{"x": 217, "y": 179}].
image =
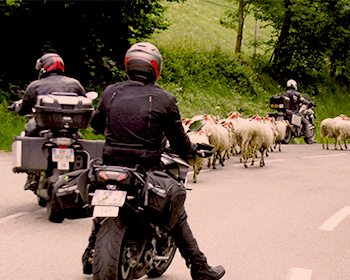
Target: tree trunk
[
  {"x": 256, "y": 35},
  {"x": 240, "y": 29},
  {"x": 282, "y": 53}
]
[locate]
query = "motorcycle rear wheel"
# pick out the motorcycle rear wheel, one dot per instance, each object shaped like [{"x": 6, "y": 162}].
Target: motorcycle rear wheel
[
  {"x": 288, "y": 136},
  {"x": 108, "y": 250},
  {"x": 168, "y": 250},
  {"x": 54, "y": 212}
]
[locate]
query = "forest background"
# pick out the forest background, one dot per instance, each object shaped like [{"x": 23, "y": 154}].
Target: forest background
[{"x": 219, "y": 55}]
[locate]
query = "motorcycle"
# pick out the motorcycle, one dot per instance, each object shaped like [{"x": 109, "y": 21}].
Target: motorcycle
[
  {"x": 295, "y": 127},
  {"x": 59, "y": 147},
  {"x": 133, "y": 210}
]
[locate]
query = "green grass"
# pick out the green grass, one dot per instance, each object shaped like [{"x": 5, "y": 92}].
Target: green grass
[
  {"x": 10, "y": 126},
  {"x": 201, "y": 70},
  {"x": 195, "y": 23}
]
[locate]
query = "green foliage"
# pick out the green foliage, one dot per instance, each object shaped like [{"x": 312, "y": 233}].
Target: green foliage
[
  {"x": 205, "y": 76},
  {"x": 90, "y": 36},
  {"x": 10, "y": 126}
]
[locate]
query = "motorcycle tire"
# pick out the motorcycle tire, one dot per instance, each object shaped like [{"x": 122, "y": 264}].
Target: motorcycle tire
[
  {"x": 53, "y": 207},
  {"x": 288, "y": 136},
  {"x": 54, "y": 211},
  {"x": 109, "y": 250},
  {"x": 313, "y": 136},
  {"x": 169, "y": 251},
  {"x": 42, "y": 201}
]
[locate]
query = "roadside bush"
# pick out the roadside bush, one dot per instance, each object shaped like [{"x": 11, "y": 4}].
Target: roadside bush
[{"x": 10, "y": 126}]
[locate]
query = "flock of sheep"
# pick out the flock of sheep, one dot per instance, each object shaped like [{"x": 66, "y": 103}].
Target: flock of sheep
[
  {"x": 235, "y": 135},
  {"x": 337, "y": 128},
  {"x": 246, "y": 137}
]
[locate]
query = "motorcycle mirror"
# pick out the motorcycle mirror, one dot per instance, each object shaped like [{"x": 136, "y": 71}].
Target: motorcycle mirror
[
  {"x": 92, "y": 95},
  {"x": 16, "y": 90},
  {"x": 196, "y": 125}
]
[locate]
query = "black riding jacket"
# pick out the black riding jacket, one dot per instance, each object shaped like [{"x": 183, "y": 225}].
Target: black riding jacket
[
  {"x": 295, "y": 100},
  {"x": 136, "y": 119},
  {"x": 52, "y": 83}
]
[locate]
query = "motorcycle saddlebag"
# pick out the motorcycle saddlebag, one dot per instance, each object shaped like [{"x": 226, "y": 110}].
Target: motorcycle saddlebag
[
  {"x": 279, "y": 102},
  {"x": 164, "y": 199},
  {"x": 69, "y": 196},
  {"x": 29, "y": 154},
  {"x": 296, "y": 120}
]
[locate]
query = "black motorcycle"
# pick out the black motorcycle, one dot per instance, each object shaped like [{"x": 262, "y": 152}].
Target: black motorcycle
[
  {"x": 57, "y": 146},
  {"x": 295, "y": 127},
  {"x": 134, "y": 213}
]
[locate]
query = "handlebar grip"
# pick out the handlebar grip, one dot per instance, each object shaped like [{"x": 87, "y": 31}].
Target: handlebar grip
[{"x": 204, "y": 153}]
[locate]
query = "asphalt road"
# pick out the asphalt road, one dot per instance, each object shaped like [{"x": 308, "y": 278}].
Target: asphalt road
[{"x": 288, "y": 220}]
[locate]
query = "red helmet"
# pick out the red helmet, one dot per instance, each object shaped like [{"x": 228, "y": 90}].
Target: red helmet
[
  {"x": 144, "y": 59},
  {"x": 49, "y": 62}
]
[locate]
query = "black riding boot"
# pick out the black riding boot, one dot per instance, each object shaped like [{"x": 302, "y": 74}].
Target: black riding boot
[
  {"x": 195, "y": 259},
  {"x": 89, "y": 251},
  {"x": 32, "y": 181}
]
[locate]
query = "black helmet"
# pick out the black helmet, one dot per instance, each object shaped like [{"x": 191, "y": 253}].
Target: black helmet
[
  {"x": 143, "y": 60},
  {"x": 49, "y": 62}
]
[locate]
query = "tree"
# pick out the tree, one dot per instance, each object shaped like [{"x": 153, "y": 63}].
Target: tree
[
  {"x": 314, "y": 38},
  {"x": 232, "y": 17},
  {"x": 91, "y": 36}
]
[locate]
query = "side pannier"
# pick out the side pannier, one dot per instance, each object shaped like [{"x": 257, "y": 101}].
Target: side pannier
[{"x": 164, "y": 198}]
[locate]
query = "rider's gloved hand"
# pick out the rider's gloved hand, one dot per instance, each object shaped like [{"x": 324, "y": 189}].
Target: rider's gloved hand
[
  {"x": 15, "y": 106},
  {"x": 312, "y": 104}
]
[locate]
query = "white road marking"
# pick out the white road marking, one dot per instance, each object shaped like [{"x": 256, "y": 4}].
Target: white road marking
[
  {"x": 330, "y": 155},
  {"x": 296, "y": 273},
  {"x": 7, "y": 218},
  {"x": 333, "y": 221}
]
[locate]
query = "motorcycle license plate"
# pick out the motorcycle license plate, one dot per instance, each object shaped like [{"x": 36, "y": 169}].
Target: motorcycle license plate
[
  {"x": 62, "y": 155},
  {"x": 108, "y": 198},
  {"x": 107, "y": 202},
  {"x": 105, "y": 211}
]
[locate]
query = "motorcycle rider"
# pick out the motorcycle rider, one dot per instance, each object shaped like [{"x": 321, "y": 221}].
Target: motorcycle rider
[
  {"x": 50, "y": 79},
  {"x": 294, "y": 106},
  {"x": 136, "y": 117}
]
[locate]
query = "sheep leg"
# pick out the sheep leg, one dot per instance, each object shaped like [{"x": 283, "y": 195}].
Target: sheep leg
[
  {"x": 194, "y": 174},
  {"x": 244, "y": 154},
  {"x": 254, "y": 155},
  {"x": 345, "y": 144},
  {"x": 322, "y": 142},
  {"x": 262, "y": 162},
  {"x": 214, "y": 160}
]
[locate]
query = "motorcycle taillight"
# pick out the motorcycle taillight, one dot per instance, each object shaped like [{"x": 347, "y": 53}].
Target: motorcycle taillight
[{"x": 113, "y": 175}]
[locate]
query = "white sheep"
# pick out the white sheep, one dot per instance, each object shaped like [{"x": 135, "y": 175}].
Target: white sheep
[
  {"x": 238, "y": 124},
  {"x": 341, "y": 132},
  {"x": 219, "y": 138},
  {"x": 327, "y": 130},
  {"x": 232, "y": 137},
  {"x": 271, "y": 123},
  {"x": 281, "y": 130},
  {"x": 256, "y": 136},
  {"x": 197, "y": 162}
]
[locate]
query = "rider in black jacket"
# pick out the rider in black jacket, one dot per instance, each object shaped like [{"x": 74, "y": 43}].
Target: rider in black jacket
[
  {"x": 136, "y": 118},
  {"x": 50, "y": 79},
  {"x": 295, "y": 99}
]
